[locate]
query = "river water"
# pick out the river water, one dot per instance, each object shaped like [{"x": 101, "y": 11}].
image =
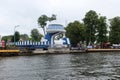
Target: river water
[{"x": 83, "y": 66}]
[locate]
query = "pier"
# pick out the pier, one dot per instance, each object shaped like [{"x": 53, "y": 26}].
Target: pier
[{"x": 9, "y": 51}]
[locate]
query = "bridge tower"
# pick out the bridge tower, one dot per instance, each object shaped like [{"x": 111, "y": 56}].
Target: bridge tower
[{"x": 54, "y": 30}]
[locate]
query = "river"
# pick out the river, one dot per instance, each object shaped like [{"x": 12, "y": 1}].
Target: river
[{"x": 83, "y": 66}]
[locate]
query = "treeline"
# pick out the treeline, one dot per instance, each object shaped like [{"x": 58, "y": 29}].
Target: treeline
[
  {"x": 35, "y": 36},
  {"x": 94, "y": 29}
]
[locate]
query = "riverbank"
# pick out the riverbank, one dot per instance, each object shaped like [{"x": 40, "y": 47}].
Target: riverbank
[
  {"x": 103, "y": 50},
  {"x": 23, "y": 52}
]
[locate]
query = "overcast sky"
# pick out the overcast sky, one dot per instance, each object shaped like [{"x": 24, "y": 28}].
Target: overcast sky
[{"x": 26, "y": 12}]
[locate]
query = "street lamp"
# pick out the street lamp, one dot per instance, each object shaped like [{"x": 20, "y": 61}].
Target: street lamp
[{"x": 14, "y": 32}]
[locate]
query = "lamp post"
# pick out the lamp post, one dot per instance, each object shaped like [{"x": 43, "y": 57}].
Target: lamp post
[{"x": 14, "y": 33}]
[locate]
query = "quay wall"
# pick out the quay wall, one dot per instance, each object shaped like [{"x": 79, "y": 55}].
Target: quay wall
[{"x": 18, "y": 52}]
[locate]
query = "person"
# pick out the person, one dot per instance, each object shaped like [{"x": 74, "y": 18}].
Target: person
[{"x": 79, "y": 46}]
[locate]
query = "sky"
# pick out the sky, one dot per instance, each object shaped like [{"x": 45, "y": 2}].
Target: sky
[{"x": 25, "y": 13}]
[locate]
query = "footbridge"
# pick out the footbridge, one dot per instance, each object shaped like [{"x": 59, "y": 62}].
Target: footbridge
[{"x": 48, "y": 41}]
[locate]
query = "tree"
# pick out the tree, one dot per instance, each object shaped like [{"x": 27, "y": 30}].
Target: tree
[
  {"x": 102, "y": 30},
  {"x": 36, "y": 36},
  {"x": 7, "y": 38},
  {"x": 115, "y": 30},
  {"x": 16, "y": 36},
  {"x": 75, "y": 32},
  {"x": 24, "y": 37},
  {"x": 43, "y": 19},
  {"x": 90, "y": 21}
]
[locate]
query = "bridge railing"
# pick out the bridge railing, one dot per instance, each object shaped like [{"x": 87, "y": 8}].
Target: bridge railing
[{"x": 29, "y": 44}]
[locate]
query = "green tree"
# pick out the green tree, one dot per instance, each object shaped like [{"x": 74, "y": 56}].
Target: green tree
[
  {"x": 90, "y": 21},
  {"x": 75, "y": 32},
  {"x": 115, "y": 30},
  {"x": 7, "y": 38},
  {"x": 16, "y": 37},
  {"x": 24, "y": 37},
  {"x": 36, "y": 36},
  {"x": 102, "y": 30},
  {"x": 43, "y": 19}
]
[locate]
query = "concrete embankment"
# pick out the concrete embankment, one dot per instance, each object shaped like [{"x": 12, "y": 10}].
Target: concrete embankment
[
  {"x": 23, "y": 52},
  {"x": 52, "y": 51},
  {"x": 67, "y": 50},
  {"x": 103, "y": 50}
]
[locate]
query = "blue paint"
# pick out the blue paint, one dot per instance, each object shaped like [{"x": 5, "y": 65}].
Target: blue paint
[{"x": 51, "y": 32}]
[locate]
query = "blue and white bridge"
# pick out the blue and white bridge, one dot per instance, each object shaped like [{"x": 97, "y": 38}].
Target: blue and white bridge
[{"x": 49, "y": 39}]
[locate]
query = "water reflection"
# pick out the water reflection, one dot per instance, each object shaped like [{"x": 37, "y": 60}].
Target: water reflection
[{"x": 86, "y": 66}]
